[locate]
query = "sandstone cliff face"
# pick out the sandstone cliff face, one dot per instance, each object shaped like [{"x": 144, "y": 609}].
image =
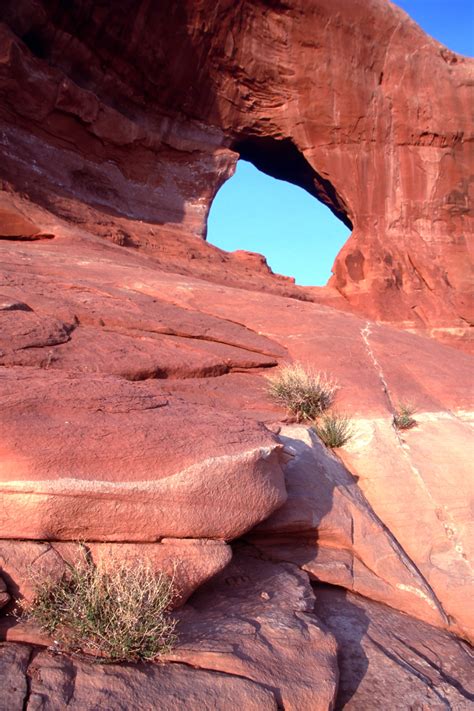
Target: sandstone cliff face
[
  {"x": 140, "y": 112},
  {"x": 133, "y": 355}
]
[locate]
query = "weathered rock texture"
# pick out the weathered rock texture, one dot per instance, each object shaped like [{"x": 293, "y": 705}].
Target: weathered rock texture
[
  {"x": 329, "y": 529},
  {"x": 253, "y": 625},
  {"x": 114, "y": 115},
  {"x": 388, "y": 660},
  {"x": 133, "y": 404},
  {"x": 4, "y": 595},
  {"x": 37, "y": 681},
  {"x": 102, "y": 459},
  {"x": 252, "y": 638},
  {"x": 189, "y": 563}
]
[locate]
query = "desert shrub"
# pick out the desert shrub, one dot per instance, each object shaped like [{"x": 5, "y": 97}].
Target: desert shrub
[
  {"x": 403, "y": 419},
  {"x": 305, "y": 393},
  {"x": 119, "y": 614},
  {"x": 333, "y": 430}
]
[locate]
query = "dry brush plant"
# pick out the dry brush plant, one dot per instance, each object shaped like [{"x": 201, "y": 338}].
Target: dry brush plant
[
  {"x": 333, "y": 429},
  {"x": 304, "y": 392},
  {"x": 118, "y": 613}
]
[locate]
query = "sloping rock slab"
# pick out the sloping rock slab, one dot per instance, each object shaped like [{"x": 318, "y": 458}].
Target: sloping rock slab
[
  {"x": 98, "y": 458},
  {"x": 255, "y": 620},
  {"x": 56, "y": 682},
  {"x": 328, "y": 528},
  {"x": 419, "y": 482},
  {"x": 91, "y": 350},
  {"x": 391, "y": 661},
  {"x": 190, "y": 562}
]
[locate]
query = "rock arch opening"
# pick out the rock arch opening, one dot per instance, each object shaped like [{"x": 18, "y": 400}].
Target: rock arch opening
[{"x": 268, "y": 206}]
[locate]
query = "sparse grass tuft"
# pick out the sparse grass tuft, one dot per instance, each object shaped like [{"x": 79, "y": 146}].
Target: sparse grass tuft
[
  {"x": 303, "y": 392},
  {"x": 119, "y": 614},
  {"x": 333, "y": 430},
  {"x": 402, "y": 418}
]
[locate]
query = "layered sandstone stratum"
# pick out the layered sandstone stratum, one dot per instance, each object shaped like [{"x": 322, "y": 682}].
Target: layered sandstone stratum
[{"x": 133, "y": 354}]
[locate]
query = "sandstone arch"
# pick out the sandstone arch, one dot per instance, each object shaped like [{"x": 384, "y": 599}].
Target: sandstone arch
[
  {"x": 280, "y": 158},
  {"x": 136, "y": 111}
]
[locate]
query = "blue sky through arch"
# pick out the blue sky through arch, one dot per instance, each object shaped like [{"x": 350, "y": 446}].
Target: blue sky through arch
[{"x": 298, "y": 235}]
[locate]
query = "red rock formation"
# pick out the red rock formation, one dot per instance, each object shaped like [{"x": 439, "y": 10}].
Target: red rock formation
[
  {"x": 60, "y": 682},
  {"x": 189, "y": 562},
  {"x": 133, "y": 354},
  {"x": 139, "y": 112},
  {"x": 386, "y": 658},
  {"x": 80, "y": 434}
]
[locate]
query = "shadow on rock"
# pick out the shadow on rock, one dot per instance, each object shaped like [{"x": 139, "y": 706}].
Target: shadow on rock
[{"x": 388, "y": 660}]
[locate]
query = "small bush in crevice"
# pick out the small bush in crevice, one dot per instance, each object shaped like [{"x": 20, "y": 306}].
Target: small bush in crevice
[
  {"x": 402, "y": 419},
  {"x": 118, "y": 614},
  {"x": 333, "y": 430},
  {"x": 305, "y": 393}
]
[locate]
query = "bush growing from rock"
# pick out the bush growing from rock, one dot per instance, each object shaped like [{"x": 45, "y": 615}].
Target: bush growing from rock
[
  {"x": 333, "y": 430},
  {"x": 119, "y": 613},
  {"x": 403, "y": 419},
  {"x": 304, "y": 392}
]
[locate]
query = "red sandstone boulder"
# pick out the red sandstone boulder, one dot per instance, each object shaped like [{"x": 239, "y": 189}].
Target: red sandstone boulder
[
  {"x": 102, "y": 459},
  {"x": 255, "y": 620},
  {"x": 190, "y": 563}
]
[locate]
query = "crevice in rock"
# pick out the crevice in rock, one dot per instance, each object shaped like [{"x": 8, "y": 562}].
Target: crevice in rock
[
  {"x": 365, "y": 333},
  {"x": 419, "y": 274},
  {"x": 202, "y": 337},
  {"x": 405, "y": 449},
  {"x": 411, "y": 669},
  {"x": 33, "y": 653},
  {"x": 200, "y": 373},
  {"x": 26, "y": 238},
  {"x": 445, "y": 677}
]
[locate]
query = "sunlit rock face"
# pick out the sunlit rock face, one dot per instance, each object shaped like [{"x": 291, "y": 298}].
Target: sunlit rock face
[
  {"x": 135, "y": 414},
  {"x": 139, "y": 111}
]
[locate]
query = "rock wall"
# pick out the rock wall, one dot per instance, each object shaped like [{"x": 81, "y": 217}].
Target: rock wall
[{"x": 139, "y": 111}]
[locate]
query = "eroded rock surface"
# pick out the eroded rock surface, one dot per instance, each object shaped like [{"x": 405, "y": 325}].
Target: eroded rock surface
[
  {"x": 56, "y": 682},
  {"x": 4, "y": 595},
  {"x": 417, "y": 482},
  {"x": 389, "y": 660},
  {"x": 133, "y": 354},
  {"x": 329, "y": 529},
  {"x": 67, "y": 426},
  {"x": 139, "y": 113},
  {"x": 255, "y": 620},
  {"x": 14, "y": 660},
  {"x": 101, "y": 459},
  {"x": 249, "y": 637},
  {"x": 25, "y": 564}
]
